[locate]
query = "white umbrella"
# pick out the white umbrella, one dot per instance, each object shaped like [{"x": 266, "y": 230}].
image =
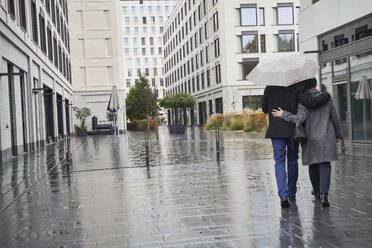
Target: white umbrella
[
  {"x": 364, "y": 93},
  {"x": 114, "y": 104},
  {"x": 283, "y": 70}
]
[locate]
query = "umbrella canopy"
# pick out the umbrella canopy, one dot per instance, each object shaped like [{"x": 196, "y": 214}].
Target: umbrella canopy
[
  {"x": 364, "y": 91},
  {"x": 284, "y": 70},
  {"x": 114, "y": 104}
]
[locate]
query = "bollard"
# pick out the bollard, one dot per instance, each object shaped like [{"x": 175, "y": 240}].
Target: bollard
[
  {"x": 218, "y": 143},
  {"x": 147, "y": 150}
]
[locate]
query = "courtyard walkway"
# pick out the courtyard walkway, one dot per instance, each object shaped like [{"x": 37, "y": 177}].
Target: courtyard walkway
[{"x": 97, "y": 192}]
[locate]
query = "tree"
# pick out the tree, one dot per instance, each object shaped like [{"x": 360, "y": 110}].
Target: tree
[
  {"x": 176, "y": 102},
  {"x": 82, "y": 114},
  {"x": 139, "y": 100}
]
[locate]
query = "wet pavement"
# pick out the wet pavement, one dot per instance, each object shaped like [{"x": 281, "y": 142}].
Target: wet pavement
[{"x": 97, "y": 192}]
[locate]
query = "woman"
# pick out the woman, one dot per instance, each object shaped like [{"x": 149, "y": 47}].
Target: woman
[{"x": 323, "y": 130}]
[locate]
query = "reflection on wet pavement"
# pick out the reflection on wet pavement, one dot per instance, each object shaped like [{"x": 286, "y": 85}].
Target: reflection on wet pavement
[{"x": 97, "y": 192}]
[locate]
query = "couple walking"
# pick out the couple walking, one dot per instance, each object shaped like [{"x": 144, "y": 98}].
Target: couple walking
[{"x": 289, "y": 108}]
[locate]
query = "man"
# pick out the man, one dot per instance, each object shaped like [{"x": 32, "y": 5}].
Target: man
[{"x": 281, "y": 133}]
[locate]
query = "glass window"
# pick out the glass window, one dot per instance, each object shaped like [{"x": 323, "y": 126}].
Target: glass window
[
  {"x": 297, "y": 14},
  {"x": 129, "y": 62},
  {"x": 144, "y": 30},
  {"x": 127, "y": 20},
  {"x": 124, "y": 10},
  {"x": 126, "y": 41},
  {"x": 152, "y": 20},
  {"x": 286, "y": 42},
  {"x": 136, "y": 20},
  {"x": 361, "y": 95},
  {"x": 149, "y": 9},
  {"x": 340, "y": 67},
  {"x": 262, "y": 17},
  {"x": 128, "y": 83},
  {"x": 135, "y": 51},
  {"x": 247, "y": 67},
  {"x": 142, "y": 10},
  {"x": 136, "y": 30},
  {"x": 153, "y": 30},
  {"x": 248, "y": 16},
  {"x": 127, "y": 30},
  {"x": 285, "y": 15},
  {"x": 160, "y": 40},
  {"x": 263, "y": 43},
  {"x": 147, "y": 61},
  {"x": 143, "y": 51},
  {"x": 252, "y": 102},
  {"x": 138, "y": 62},
  {"x": 158, "y": 10},
  {"x": 133, "y": 10},
  {"x": 126, "y": 52},
  {"x": 160, "y": 51},
  {"x": 250, "y": 43},
  {"x": 154, "y": 62},
  {"x": 134, "y": 40},
  {"x": 166, "y": 9},
  {"x": 129, "y": 72},
  {"x": 152, "y": 51},
  {"x": 161, "y": 20}
]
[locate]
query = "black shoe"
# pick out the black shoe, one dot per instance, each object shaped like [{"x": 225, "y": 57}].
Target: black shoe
[
  {"x": 284, "y": 202},
  {"x": 292, "y": 197},
  {"x": 324, "y": 199},
  {"x": 316, "y": 195}
]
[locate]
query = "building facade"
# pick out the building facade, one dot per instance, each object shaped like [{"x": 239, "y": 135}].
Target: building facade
[
  {"x": 342, "y": 45},
  {"x": 143, "y": 41},
  {"x": 97, "y": 65},
  {"x": 210, "y": 47},
  {"x": 35, "y": 75}
]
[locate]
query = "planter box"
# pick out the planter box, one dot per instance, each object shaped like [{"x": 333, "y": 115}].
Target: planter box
[
  {"x": 178, "y": 129},
  {"x": 82, "y": 132}
]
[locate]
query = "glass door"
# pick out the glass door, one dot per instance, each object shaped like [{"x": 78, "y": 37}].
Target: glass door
[{"x": 340, "y": 101}]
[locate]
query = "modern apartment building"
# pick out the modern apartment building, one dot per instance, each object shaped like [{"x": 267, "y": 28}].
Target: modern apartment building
[
  {"x": 97, "y": 64},
  {"x": 343, "y": 47},
  {"x": 210, "y": 46},
  {"x": 143, "y": 41},
  {"x": 35, "y": 75}
]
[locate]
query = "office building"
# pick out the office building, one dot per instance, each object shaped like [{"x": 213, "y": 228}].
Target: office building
[
  {"x": 212, "y": 45},
  {"x": 35, "y": 75}
]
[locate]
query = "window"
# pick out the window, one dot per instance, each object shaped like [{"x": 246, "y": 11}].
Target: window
[
  {"x": 217, "y": 47},
  {"x": 138, "y": 62},
  {"x": 214, "y": 2},
  {"x": 22, "y": 14},
  {"x": 252, "y": 102},
  {"x": 136, "y": 30},
  {"x": 11, "y": 7},
  {"x": 202, "y": 80},
  {"x": 129, "y": 62},
  {"x": 135, "y": 51},
  {"x": 53, "y": 6},
  {"x": 297, "y": 15},
  {"x": 207, "y": 53},
  {"x": 153, "y": 30},
  {"x": 160, "y": 51},
  {"x": 127, "y": 20},
  {"x": 262, "y": 17},
  {"x": 152, "y": 51},
  {"x": 126, "y": 52},
  {"x": 249, "y": 42},
  {"x": 208, "y": 78},
  {"x": 144, "y": 30},
  {"x": 143, "y": 51},
  {"x": 149, "y": 9},
  {"x": 263, "y": 43},
  {"x": 151, "y": 41},
  {"x": 133, "y": 10},
  {"x": 134, "y": 40},
  {"x": 247, "y": 67},
  {"x": 206, "y": 30},
  {"x": 248, "y": 16},
  {"x": 218, "y": 73},
  {"x": 42, "y": 32},
  {"x": 126, "y": 41},
  {"x": 127, "y": 30},
  {"x": 129, "y": 72},
  {"x": 144, "y": 20},
  {"x": 142, "y": 10},
  {"x": 215, "y": 21},
  {"x": 161, "y": 20},
  {"x": 55, "y": 51},
  {"x": 34, "y": 22},
  {"x": 152, "y": 19},
  {"x": 286, "y": 41},
  {"x": 158, "y": 10},
  {"x": 128, "y": 83},
  {"x": 50, "y": 44},
  {"x": 124, "y": 10},
  {"x": 197, "y": 83},
  {"x": 285, "y": 14},
  {"x": 136, "y": 20}
]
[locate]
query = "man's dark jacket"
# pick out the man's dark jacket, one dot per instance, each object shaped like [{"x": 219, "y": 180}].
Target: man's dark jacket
[{"x": 287, "y": 98}]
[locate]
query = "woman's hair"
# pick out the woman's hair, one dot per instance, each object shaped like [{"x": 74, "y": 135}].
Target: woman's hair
[{"x": 310, "y": 83}]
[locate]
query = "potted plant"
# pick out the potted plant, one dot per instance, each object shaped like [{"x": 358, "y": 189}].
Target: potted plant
[
  {"x": 82, "y": 114},
  {"x": 178, "y": 104}
]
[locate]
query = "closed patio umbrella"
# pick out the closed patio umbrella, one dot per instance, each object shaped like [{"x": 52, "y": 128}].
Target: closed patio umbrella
[
  {"x": 364, "y": 93},
  {"x": 114, "y": 105}
]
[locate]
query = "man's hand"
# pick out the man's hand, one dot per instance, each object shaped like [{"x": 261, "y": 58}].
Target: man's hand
[
  {"x": 338, "y": 140},
  {"x": 277, "y": 112}
]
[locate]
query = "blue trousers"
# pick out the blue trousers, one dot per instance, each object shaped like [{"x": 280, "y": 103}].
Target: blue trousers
[
  {"x": 320, "y": 177},
  {"x": 286, "y": 149}
]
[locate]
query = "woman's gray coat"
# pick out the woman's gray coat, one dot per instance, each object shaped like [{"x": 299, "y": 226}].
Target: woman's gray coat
[{"x": 322, "y": 128}]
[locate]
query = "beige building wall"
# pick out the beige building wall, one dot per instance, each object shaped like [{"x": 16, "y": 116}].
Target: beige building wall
[{"x": 97, "y": 60}]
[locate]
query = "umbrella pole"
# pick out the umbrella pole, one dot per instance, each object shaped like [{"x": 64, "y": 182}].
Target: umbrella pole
[{"x": 365, "y": 119}]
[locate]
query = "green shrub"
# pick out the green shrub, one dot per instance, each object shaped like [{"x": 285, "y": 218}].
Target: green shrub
[{"x": 215, "y": 121}]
